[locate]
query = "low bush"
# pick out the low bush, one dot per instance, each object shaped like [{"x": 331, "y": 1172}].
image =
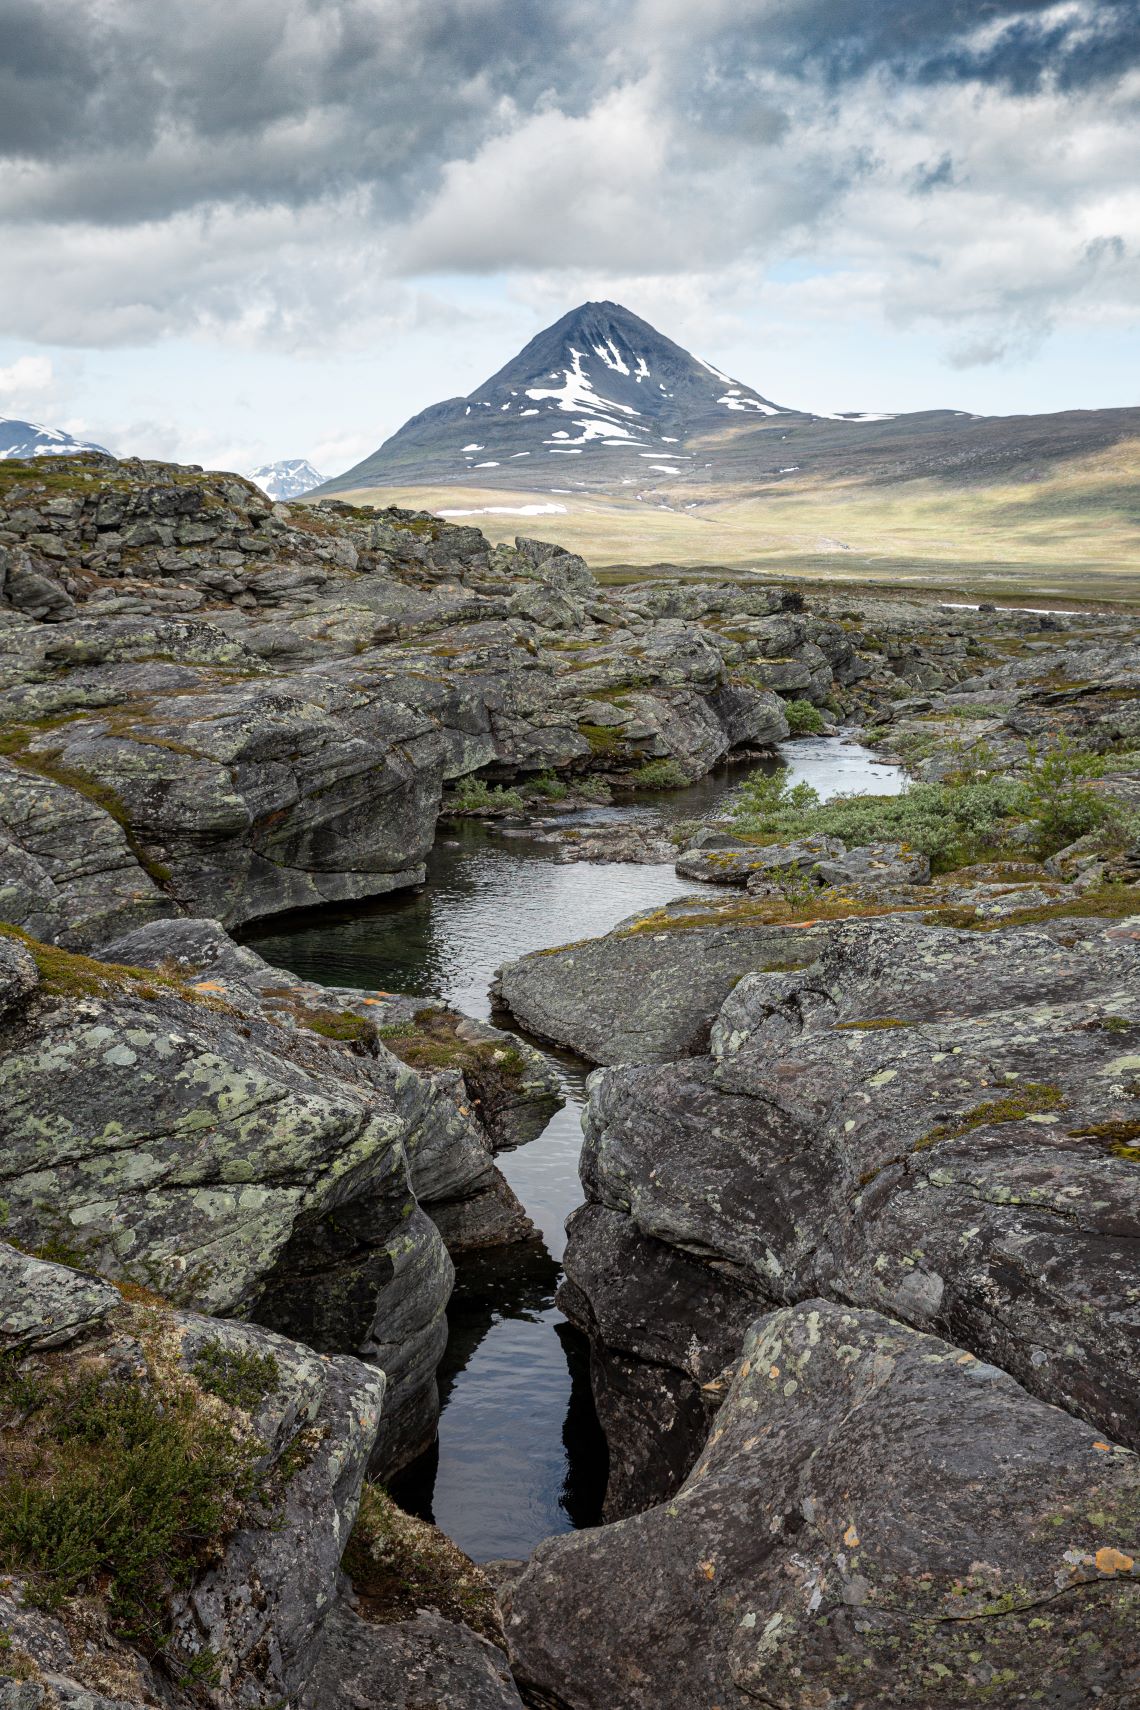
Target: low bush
[
  {"x": 974, "y": 815},
  {"x": 117, "y": 1486},
  {"x": 548, "y": 785},
  {"x": 475, "y": 795},
  {"x": 803, "y": 719},
  {"x": 661, "y": 775}
]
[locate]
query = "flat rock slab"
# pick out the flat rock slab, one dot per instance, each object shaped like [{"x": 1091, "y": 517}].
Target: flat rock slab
[
  {"x": 940, "y": 1125},
  {"x": 877, "y": 1518},
  {"x": 425, "y": 1664},
  {"x": 648, "y": 991}
]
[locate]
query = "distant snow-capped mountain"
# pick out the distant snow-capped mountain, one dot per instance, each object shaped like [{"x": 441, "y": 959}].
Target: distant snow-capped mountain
[
  {"x": 30, "y": 439},
  {"x": 601, "y": 391},
  {"x": 288, "y": 478}
]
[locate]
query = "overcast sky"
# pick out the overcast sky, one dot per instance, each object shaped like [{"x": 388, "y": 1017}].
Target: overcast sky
[{"x": 235, "y": 230}]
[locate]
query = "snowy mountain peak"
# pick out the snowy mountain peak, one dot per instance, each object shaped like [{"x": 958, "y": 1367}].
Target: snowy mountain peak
[
  {"x": 601, "y": 386},
  {"x": 32, "y": 439},
  {"x": 288, "y": 478}
]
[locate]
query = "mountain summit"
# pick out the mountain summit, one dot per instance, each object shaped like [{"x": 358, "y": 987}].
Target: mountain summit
[
  {"x": 31, "y": 439},
  {"x": 600, "y": 386}
]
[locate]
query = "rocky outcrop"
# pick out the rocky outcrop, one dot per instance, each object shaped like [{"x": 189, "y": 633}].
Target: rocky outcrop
[
  {"x": 231, "y": 708},
  {"x": 245, "y": 1454},
  {"x": 877, "y": 1517},
  {"x": 247, "y": 1145},
  {"x": 648, "y": 991},
  {"x": 242, "y": 1614},
  {"x": 940, "y": 1125}
]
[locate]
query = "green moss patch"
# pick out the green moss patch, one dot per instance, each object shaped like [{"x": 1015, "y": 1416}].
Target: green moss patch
[
  {"x": 431, "y": 1040},
  {"x": 114, "y": 1485},
  {"x": 1122, "y": 1139},
  {"x": 1035, "y": 1098},
  {"x": 399, "y": 1565},
  {"x": 241, "y": 1379},
  {"x": 67, "y": 974},
  {"x": 333, "y": 1023}
]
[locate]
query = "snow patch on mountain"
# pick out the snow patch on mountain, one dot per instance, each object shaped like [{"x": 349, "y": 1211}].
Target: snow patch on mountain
[
  {"x": 32, "y": 439},
  {"x": 286, "y": 479}
]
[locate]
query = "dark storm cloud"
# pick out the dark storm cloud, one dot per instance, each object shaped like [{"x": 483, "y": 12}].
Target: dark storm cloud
[
  {"x": 1014, "y": 43},
  {"x": 194, "y": 100},
  {"x": 134, "y": 110}
]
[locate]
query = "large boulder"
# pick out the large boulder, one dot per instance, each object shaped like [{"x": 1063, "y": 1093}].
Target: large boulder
[
  {"x": 877, "y": 1518},
  {"x": 941, "y": 1125},
  {"x": 173, "y": 1135},
  {"x": 649, "y": 990},
  {"x": 241, "y": 1616}
]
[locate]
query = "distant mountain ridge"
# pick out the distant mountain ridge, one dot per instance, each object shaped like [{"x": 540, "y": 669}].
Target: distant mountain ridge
[
  {"x": 603, "y": 407},
  {"x": 600, "y": 385},
  {"x": 288, "y": 478},
  {"x": 32, "y": 439}
]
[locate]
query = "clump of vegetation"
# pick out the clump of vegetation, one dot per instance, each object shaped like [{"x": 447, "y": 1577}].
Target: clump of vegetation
[
  {"x": 399, "y": 1565},
  {"x": 950, "y": 824},
  {"x": 661, "y": 775},
  {"x": 431, "y": 1040},
  {"x": 971, "y": 816},
  {"x": 238, "y": 1377},
  {"x": 603, "y": 738},
  {"x": 594, "y": 790},
  {"x": 475, "y": 795},
  {"x": 1102, "y": 902},
  {"x": 65, "y": 973},
  {"x": 1035, "y": 1098},
  {"x": 333, "y": 1023},
  {"x": 119, "y": 1485},
  {"x": 803, "y": 719},
  {"x": 1121, "y": 1139},
  {"x": 548, "y": 785}
]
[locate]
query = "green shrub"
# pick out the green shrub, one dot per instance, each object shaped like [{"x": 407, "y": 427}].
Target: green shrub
[
  {"x": 972, "y": 815},
  {"x": 475, "y": 795},
  {"x": 661, "y": 775},
  {"x": 548, "y": 785},
  {"x": 120, "y": 1487},
  {"x": 239, "y": 1378},
  {"x": 1055, "y": 793},
  {"x": 803, "y": 719},
  {"x": 950, "y": 824}
]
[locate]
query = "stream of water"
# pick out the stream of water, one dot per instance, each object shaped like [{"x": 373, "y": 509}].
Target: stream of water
[{"x": 520, "y": 1455}]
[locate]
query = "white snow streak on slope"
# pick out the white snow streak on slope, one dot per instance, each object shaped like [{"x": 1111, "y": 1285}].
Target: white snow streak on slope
[
  {"x": 612, "y": 357},
  {"x": 716, "y": 371},
  {"x": 509, "y": 511},
  {"x": 474, "y": 447},
  {"x": 733, "y": 401},
  {"x": 577, "y": 392}
]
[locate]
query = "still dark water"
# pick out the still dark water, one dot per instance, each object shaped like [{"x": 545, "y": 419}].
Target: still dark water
[{"x": 519, "y": 1455}]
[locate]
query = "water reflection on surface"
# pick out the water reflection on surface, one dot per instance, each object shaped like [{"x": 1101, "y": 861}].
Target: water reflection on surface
[{"x": 520, "y": 1455}]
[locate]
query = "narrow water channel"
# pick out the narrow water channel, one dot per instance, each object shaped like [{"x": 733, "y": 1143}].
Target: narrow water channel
[{"x": 519, "y": 1455}]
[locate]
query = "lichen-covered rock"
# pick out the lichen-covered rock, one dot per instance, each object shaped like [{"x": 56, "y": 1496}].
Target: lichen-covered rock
[
  {"x": 877, "y": 1517},
  {"x": 46, "y": 1306},
  {"x": 647, "y": 991},
  {"x": 173, "y": 1136},
  {"x": 740, "y": 863},
  {"x": 941, "y": 1125},
  {"x": 246, "y": 1628},
  {"x": 408, "y": 1665}
]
